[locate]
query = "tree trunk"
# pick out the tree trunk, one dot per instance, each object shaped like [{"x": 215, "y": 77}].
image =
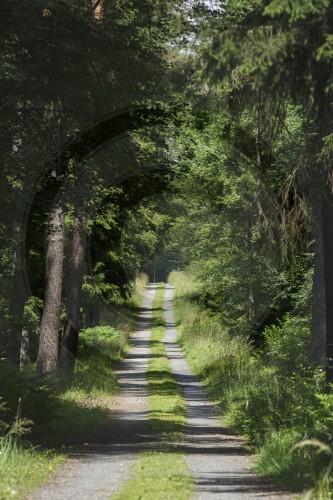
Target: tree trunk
[
  {"x": 18, "y": 299},
  {"x": 25, "y": 348},
  {"x": 93, "y": 314},
  {"x": 327, "y": 232},
  {"x": 69, "y": 344},
  {"x": 49, "y": 337},
  {"x": 318, "y": 337}
]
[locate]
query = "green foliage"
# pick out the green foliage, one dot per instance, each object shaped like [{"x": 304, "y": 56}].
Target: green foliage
[
  {"x": 26, "y": 391},
  {"x": 51, "y": 404},
  {"x": 299, "y": 468},
  {"x": 228, "y": 230},
  {"x": 43, "y": 409},
  {"x": 288, "y": 344},
  {"x": 100, "y": 349},
  {"x": 23, "y": 467}
]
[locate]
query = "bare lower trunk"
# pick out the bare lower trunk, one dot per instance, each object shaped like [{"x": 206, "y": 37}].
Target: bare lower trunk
[
  {"x": 69, "y": 344},
  {"x": 47, "y": 358},
  {"x": 327, "y": 234},
  {"x": 25, "y": 348},
  {"x": 318, "y": 337},
  {"x": 18, "y": 299}
]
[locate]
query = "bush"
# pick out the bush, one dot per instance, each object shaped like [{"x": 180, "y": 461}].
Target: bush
[
  {"x": 100, "y": 349},
  {"x": 288, "y": 344},
  {"x": 29, "y": 394}
]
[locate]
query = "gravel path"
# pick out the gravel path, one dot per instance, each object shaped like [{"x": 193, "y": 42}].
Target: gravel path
[
  {"x": 218, "y": 460},
  {"x": 96, "y": 469}
]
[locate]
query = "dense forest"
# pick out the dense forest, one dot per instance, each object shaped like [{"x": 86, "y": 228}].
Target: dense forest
[{"x": 154, "y": 140}]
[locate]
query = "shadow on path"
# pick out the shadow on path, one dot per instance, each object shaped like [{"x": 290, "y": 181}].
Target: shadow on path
[{"x": 99, "y": 464}]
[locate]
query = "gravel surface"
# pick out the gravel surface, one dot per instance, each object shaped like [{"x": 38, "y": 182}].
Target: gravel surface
[
  {"x": 217, "y": 459},
  {"x": 97, "y": 468}
]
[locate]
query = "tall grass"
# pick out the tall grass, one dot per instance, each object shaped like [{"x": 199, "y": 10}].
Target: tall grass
[
  {"x": 272, "y": 396},
  {"x": 22, "y": 466}
]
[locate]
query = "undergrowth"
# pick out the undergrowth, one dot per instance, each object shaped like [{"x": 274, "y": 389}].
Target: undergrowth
[
  {"x": 273, "y": 396},
  {"x": 22, "y": 466}
]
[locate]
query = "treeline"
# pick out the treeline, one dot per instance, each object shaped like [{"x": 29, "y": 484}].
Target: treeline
[
  {"x": 77, "y": 159},
  {"x": 255, "y": 154},
  {"x": 133, "y": 126}
]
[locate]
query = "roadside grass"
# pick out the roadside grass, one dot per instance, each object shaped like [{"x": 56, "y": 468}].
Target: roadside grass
[
  {"x": 22, "y": 467},
  {"x": 61, "y": 409},
  {"x": 161, "y": 474},
  {"x": 273, "y": 396},
  {"x": 83, "y": 400}
]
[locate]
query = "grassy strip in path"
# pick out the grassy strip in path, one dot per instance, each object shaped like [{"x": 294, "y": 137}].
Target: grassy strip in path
[
  {"x": 166, "y": 402},
  {"x": 161, "y": 474}
]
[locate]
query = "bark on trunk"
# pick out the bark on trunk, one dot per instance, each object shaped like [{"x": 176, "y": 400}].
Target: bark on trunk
[
  {"x": 318, "y": 337},
  {"x": 47, "y": 358},
  {"x": 69, "y": 344},
  {"x": 18, "y": 299},
  {"x": 25, "y": 348},
  {"x": 327, "y": 232}
]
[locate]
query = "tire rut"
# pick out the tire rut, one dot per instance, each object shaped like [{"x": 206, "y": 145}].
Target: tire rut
[
  {"x": 97, "y": 468},
  {"x": 217, "y": 459}
]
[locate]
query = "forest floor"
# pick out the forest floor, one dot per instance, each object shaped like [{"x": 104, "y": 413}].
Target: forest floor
[{"x": 218, "y": 461}]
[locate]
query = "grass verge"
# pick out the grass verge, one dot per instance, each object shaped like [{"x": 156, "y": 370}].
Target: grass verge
[
  {"x": 23, "y": 467},
  {"x": 161, "y": 474}
]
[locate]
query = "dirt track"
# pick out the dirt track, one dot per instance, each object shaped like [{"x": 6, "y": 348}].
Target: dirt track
[
  {"x": 97, "y": 468},
  {"x": 217, "y": 459}
]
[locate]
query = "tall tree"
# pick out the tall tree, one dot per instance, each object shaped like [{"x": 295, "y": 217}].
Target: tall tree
[
  {"x": 283, "y": 50},
  {"x": 75, "y": 276},
  {"x": 18, "y": 299},
  {"x": 47, "y": 360}
]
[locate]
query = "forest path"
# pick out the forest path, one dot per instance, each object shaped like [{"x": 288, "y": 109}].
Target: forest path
[
  {"x": 218, "y": 460},
  {"x": 97, "y": 469}
]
